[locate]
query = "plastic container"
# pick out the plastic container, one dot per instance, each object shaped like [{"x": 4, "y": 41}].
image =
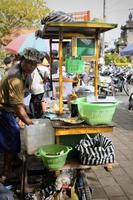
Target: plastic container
[
  {"x": 67, "y": 89},
  {"x": 54, "y": 155},
  {"x": 38, "y": 134},
  {"x": 96, "y": 113}
]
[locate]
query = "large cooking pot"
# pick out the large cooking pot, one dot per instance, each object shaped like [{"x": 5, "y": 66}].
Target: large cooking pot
[{"x": 84, "y": 91}]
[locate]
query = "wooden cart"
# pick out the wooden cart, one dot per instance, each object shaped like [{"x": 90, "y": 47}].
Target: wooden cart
[
  {"x": 90, "y": 31},
  {"x": 60, "y": 31}
]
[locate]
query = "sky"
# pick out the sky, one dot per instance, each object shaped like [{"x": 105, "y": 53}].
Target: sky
[{"x": 116, "y": 11}]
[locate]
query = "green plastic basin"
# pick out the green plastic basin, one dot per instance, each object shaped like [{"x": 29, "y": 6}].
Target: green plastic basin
[
  {"x": 96, "y": 113},
  {"x": 53, "y": 155}
]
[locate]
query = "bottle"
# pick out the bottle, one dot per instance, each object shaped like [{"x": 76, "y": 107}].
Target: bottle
[{"x": 74, "y": 107}]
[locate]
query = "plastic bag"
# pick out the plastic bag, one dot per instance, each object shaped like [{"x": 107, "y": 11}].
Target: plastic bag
[
  {"x": 74, "y": 65},
  {"x": 97, "y": 150}
]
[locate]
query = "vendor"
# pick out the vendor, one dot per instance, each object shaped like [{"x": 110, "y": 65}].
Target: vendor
[{"x": 12, "y": 88}]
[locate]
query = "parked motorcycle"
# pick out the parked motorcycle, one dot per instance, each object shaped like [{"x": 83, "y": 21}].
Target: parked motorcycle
[
  {"x": 119, "y": 83},
  {"x": 104, "y": 86}
]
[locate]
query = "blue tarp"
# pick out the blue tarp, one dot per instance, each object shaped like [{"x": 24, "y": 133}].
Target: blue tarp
[{"x": 127, "y": 51}]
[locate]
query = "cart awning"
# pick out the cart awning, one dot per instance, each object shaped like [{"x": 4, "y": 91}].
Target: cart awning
[{"x": 52, "y": 29}]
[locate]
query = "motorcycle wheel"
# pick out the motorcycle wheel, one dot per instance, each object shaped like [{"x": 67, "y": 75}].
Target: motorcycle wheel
[{"x": 126, "y": 88}]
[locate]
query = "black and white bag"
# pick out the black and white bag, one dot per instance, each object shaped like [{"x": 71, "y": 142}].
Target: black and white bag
[
  {"x": 96, "y": 151},
  {"x": 57, "y": 16}
]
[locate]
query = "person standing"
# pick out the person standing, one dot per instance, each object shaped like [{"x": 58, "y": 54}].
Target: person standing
[
  {"x": 12, "y": 89},
  {"x": 38, "y": 88},
  {"x": 55, "y": 62}
]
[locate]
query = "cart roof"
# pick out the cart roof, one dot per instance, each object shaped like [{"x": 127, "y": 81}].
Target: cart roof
[{"x": 90, "y": 28}]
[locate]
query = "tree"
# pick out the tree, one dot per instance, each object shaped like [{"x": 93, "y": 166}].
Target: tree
[
  {"x": 19, "y": 13},
  {"x": 116, "y": 59}
]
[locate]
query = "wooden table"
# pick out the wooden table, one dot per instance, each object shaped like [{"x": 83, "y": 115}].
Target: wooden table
[{"x": 62, "y": 128}]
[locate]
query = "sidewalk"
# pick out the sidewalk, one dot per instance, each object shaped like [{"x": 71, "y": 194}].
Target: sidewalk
[{"x": 118, "y": 184}]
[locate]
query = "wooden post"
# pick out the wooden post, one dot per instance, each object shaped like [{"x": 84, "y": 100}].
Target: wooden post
[
  {"x": 51, "y": 61},
  {"x": 60, "y": 73},
  {"x": 96, "y": 64}
]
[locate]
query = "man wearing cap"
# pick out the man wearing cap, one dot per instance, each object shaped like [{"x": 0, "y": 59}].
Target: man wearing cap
[{"x": 12, "y": 90}]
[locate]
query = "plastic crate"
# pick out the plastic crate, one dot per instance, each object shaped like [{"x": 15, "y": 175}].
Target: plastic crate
[{"x": 96, "y": 113}]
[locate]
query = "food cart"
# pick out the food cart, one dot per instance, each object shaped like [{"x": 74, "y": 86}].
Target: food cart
[
  {"x": 77, "y": 31},
  {"x": 58, "y": 32}
]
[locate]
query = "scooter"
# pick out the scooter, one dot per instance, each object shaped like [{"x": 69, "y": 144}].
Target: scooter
[{"x": 104, "y": 86}]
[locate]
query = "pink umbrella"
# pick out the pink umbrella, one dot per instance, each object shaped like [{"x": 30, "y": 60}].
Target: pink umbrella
[{"x": 29, "y": 40}]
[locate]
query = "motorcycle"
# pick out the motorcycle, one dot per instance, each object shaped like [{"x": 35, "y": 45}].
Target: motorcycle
[{"x": 104, "y": 86}]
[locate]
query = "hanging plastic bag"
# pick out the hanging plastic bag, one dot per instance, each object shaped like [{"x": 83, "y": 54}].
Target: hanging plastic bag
[{"x": 75, "y": 65}]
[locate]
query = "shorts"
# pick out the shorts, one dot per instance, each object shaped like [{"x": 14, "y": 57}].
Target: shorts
[{"x": 9, "y": 133}]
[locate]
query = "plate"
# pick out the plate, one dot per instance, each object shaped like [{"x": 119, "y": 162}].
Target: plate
[{"x": 72, "y": 120}]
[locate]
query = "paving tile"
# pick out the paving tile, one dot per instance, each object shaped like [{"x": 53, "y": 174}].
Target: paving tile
[
  {"x": 130, "y": 197},
  {"x": 118, "y": 171},
  {"x": 107, "y": 181},
  {"x": 125, "y": 163},
  {"x": 113, "y": 191},
  {"x": 101, "y": 172},
  {"x": 119, "y": 198},
  {"x": 123, "y": 180},
  {"x": 99, "y": 193},
  {"x": 128, "y": 189},
  {"x": 100, "y": 199},
  {"x": 129, "y": 170}
]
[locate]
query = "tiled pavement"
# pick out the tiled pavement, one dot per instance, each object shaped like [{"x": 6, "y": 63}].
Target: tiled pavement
[{"x": 118, "y": 184}]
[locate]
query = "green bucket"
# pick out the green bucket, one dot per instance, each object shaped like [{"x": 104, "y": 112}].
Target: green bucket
[{"x": 53, "y": 155}]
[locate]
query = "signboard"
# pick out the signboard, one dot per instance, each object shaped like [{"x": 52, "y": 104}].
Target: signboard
[{"x": 84, "y": 46}]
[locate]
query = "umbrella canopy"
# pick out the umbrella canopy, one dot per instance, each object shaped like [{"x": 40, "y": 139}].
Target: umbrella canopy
[
  {"x": 127, "y": 51},
  {"x": 29, "y": 40}
]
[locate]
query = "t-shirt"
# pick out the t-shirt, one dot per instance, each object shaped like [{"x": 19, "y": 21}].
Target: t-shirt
[
  {"x": 37, "y": 85},
  {"x": 12, "y": 88}
]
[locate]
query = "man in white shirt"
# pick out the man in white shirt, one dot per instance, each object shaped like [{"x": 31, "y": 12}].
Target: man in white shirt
[{"x": 39, "y": 78}]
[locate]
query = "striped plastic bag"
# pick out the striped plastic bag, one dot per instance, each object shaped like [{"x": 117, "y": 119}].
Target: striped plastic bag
[{"x": 96, "y": 151}]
